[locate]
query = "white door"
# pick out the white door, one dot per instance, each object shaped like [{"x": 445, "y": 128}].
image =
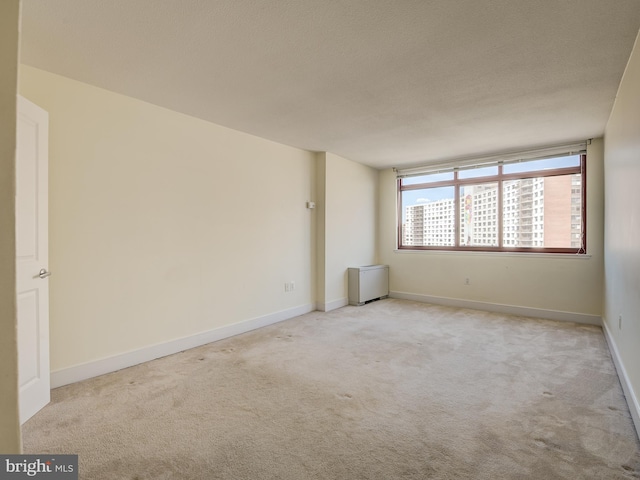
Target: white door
[{"x": 32, "y": 257}]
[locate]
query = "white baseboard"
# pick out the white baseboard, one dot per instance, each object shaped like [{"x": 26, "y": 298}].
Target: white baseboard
[
  {"x": 102, "y": 366},
  {"x": 632, "y": 400},
  {"x": 500, "y": 308},
  {"x": 327, "y": 307}
]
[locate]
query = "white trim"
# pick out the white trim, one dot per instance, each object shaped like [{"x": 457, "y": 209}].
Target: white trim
[
  {"x": 327, "y": 307},
  {"x": 102, "y": 366},
  {"x": 500, "y": 308},
  {"x": 627, "y": 387}
]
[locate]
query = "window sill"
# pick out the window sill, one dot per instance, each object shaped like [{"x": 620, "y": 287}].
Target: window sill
[{"x": 574, "y": 256}]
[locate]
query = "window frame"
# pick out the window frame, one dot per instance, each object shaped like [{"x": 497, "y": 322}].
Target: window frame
[{"x": 499, "y": 178}]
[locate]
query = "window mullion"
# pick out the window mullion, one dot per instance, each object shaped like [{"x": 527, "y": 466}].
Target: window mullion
[
  {"x": 400, "y": 206},
  {"x": 456, "y": 203},
  {"x": 499, "y": 209},
  {"x": 583, "y": 220},
  {"x": 456, "y": 207}
]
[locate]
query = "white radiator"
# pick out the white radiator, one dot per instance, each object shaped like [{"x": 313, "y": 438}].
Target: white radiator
[{"x": 368, "y": 283}]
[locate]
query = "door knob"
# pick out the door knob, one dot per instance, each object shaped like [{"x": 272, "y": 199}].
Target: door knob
[{"x": 43, "y": 273}]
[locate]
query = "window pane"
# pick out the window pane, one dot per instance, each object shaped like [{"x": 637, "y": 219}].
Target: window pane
[
  {"x": 544, "y": 164},
  {"x": 478, "y": 172},
  {"x": 478, "y": 215},
  {"x": 544, "y": 212},
  {"x": 430, "y": 178},
  {"x": 428, "y": 217}
]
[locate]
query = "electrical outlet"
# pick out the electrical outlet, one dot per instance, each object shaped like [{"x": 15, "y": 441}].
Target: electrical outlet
[
  {"x": 467, "y": 281},
  {"x": 286, "y": 286},
  {"x": 293, "y": 286}
]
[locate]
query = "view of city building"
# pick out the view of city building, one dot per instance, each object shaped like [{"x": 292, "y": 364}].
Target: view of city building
[{"x": 536, "y": 212}]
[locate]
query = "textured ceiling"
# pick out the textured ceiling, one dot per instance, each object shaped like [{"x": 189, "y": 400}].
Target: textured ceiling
[{"x": 385, "y": 83}]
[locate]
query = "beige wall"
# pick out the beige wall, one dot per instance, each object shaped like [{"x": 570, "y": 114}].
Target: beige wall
[
  {"x": 348, "y": 220},
  {"x": 162, "y": 225},
  {"x": 561, "y": 284},
  {"x": 9, "y": 419},
  {"x": 622, "y": 226}
]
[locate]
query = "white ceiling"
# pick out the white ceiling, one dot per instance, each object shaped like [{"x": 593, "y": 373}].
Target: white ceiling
[{"x": 382, "y": 82}]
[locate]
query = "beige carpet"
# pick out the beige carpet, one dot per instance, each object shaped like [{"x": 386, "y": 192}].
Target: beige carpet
[{"x": 390, "y": 390}]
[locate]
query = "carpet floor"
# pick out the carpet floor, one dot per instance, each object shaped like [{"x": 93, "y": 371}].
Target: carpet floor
[{"x": 390, "y": 390}]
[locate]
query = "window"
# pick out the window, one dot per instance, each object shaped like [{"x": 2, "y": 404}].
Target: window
[{"x": 535, "y": 205}]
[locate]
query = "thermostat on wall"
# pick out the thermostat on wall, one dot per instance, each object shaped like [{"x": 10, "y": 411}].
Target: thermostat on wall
[{"x": 311, "y": 205}]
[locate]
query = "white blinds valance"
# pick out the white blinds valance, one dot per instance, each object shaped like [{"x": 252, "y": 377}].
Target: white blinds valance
[{"x": 489, "y": 160}]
